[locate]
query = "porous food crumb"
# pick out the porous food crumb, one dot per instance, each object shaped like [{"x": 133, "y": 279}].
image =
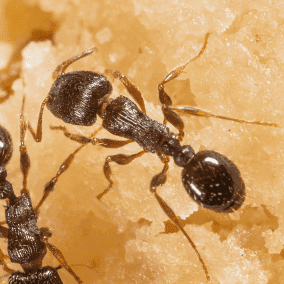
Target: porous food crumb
[{"x": 126, "y": 237}]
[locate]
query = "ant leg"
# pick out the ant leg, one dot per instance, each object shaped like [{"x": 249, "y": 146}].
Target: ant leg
[
  {"x": 120, "y": 159},
  {"x": 49, "y": 186},
  {"x": 60, "y": 69},
  {"x": 200, "y": 112},
  {"x": 107, "y": 143},
  {"x": 4, "y": 234},
  {"x": 130, "y": 87},
  {"x": 38, "y": 134},
  {"x": 166, "y": 101},
  {"x": 4, "y": 264},
  {"x": 45, "y": 234},
  {"x": 24, "y": 159},
  {"x": 159, "y": 180}
]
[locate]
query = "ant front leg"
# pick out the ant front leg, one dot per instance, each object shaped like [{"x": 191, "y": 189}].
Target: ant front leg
[
  {"x": 165, "y": 99},
  {"x": 160, "y": 180},
  {"x": 120, "y": 159},
  {"x": 130, "y": 87},
  {"x": 59, "y": 71}
]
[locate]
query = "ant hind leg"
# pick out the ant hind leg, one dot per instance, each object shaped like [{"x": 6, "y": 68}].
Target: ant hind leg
[{"x": 159, "y": 180}]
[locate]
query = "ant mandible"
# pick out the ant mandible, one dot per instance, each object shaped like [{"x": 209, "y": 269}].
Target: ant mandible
[
  {"x": 211, "y": 179},
  {"x": 27, "y": 244}
]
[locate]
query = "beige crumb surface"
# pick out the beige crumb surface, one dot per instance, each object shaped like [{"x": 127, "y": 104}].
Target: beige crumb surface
[{"x": 126, "y": 237}]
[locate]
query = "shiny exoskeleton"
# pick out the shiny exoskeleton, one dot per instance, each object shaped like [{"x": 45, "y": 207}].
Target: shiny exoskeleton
[
  {"x": 210, "y": 178},
  {"x": 27, "y": 244}
]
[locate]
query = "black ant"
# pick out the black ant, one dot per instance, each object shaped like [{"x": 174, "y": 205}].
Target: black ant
[
  {"x": 211, "y": 179},
  {"x": 27, "y": 244}
]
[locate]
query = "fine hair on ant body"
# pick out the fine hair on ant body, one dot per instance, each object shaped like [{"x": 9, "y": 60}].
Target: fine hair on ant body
[
  {"x": 27, "y": 244},
  {"x": 211, "y": 179}
]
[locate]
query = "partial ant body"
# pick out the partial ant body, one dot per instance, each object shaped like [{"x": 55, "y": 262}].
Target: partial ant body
[
  {"x": 210, "y": 178},
  {"x": 27, "y": 244}
]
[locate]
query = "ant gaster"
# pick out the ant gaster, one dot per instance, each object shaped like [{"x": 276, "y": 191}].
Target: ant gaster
[
  {"x": 27, "y": 244},
  {"x": 210, "y": 178}
]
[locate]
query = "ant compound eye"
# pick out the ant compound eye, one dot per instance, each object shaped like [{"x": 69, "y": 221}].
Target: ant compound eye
[{"x": 214, "y": 182}]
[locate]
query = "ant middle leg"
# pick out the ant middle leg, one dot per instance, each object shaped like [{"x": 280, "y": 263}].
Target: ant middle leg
[
  {"x": 203, "y": 113},
  {"x": 159, "y": 180},
  {"x": 120, "y": 159}
]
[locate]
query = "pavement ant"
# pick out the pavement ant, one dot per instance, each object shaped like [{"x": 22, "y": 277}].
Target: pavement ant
[
  {"x": 27, "y": 244},
  {"x": 211, "y": 179}
]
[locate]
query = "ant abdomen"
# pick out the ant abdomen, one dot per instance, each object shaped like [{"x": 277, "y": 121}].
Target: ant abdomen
[
  {"x": 74, "y": 97},
  {"x": 214, "y": 182}
]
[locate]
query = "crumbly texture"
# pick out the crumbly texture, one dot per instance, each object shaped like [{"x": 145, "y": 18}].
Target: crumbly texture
[{"x": 126, "y": 237}]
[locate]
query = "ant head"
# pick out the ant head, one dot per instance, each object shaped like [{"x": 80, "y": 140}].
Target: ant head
[
  {"x": 6, "y": 146},
  {"x": 74, "y": 97},
  {"x": 214, "y": 182}
]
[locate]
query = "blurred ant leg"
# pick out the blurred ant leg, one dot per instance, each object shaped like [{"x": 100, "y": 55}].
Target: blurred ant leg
[
  {"x": 38, "y": 134},
  {"x": 130, "y": 87},
  {"x": 45, "y": 234},
  {"x": 25, "y": 159},
  {"x": 120, "y": 159},
  {"x": 4, "y": 264},
  {"x": 4, "y": 234},
  {"x": 60, "y": 69},
  {"x": 200, "y": 112},
  {"x": 159, "y": 180},
  {"x": 165, "y": 99}
]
